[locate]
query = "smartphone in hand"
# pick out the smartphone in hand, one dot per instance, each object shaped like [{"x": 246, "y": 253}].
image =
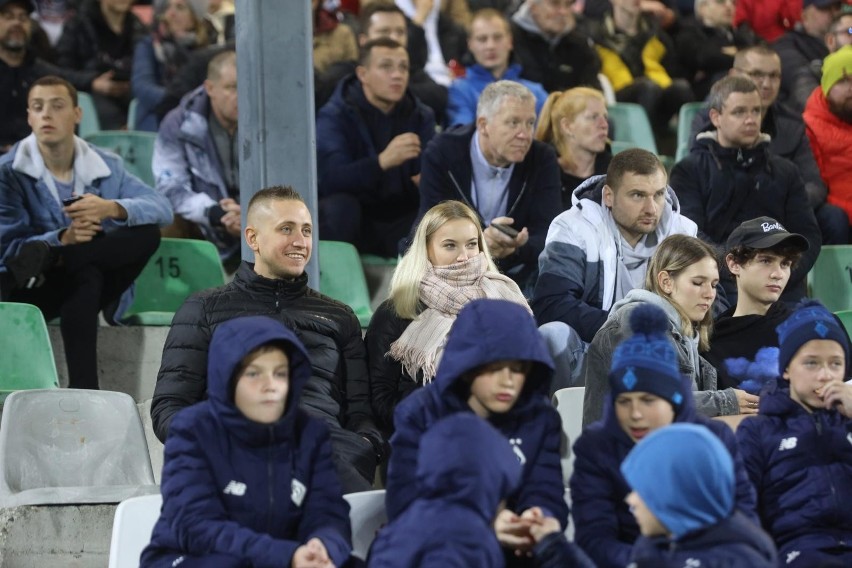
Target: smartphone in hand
[
  {"x": 70, "y": 200},
  {"x": 505, "y": 229}
]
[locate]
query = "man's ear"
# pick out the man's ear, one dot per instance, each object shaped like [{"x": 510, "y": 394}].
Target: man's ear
[
  {"x": 608, "y": 195},
  {"x": 251, "y": 237},
  {"x": 732, "y": 265},
  {"x": 715, "y": 116},
  {"x": 360, "y": 71}
]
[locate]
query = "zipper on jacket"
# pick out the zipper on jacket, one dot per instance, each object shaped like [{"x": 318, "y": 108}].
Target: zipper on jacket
[{"x": 270, "y": 482}]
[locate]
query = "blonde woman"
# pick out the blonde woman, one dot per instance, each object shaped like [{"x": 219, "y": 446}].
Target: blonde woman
[
  {"x": 447, "y": 265},
  {"x": 575, "y": 123},
  {"x": 681, "y": 279}
]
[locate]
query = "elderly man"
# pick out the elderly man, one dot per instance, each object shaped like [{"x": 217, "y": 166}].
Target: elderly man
[
  {"x": 495, "y": 166},
  {"x": 828, "y": 116}
]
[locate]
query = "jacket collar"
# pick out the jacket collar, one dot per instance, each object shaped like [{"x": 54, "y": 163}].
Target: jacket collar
[
  {"x": 247, "y": 278},
  {"x": 88, "y": 164}
]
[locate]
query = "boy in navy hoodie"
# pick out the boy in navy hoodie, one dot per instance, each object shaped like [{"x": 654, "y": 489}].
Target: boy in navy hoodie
[
  {"x": 798, "y": 450},
  {"x": 683, "y": 484},
  {"x": 248, "y": 478},
  {"x": 496, "y": 365},
  {"x": 464, "y": 469}
]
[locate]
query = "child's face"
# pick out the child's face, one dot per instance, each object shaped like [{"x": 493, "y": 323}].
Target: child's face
[
  {"x": 640, "y": 413},
  {"x": 816, "y": 363},
  {"x": 496, "y": 387},
  {"x": 262, "y": 386},
  {"x": 649, "y": 525}
]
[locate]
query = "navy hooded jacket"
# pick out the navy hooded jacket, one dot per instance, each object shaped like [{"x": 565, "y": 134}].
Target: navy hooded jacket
[
  {"x": 605, "y": 528},
  {"x": 801, "y": 466},
  {"x": 464, "y": 468},
  {"x": 240, "y": 488},
  {"x": 484, "y": 332}
]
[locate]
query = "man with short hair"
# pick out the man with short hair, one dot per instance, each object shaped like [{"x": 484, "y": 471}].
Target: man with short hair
[
  {"x": 731, "y": 176},
  {"x": 76, "y": 228},
  {"x": 760, "y": 255},
  {"x": 196, "y": 161},
  {"x": 369, "y": 137},
  {"x": 279, "y": 230},
  {"x": 490, "y": 44},
  {"x": 828, "y": 116},
  {"x": 551, "y": 48},
  {"x": 495, "y": 166},
  {"x": 598, "y": 250}
]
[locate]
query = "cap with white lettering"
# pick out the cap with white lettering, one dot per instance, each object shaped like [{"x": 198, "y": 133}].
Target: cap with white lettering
[{"x": 764, "y": 233}]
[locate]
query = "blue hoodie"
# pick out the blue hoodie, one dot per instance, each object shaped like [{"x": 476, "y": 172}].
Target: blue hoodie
[
  {"x": 464, "y": 93},
  {"x": 464, "y": 468},
  {"x": 242, "y": 489},
  {"x": 484, "y": 332},
  {"x": 605, "y": 529}
]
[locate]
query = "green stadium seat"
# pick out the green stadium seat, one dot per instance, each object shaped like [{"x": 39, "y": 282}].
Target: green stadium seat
[
  {"x": 135, "y": 147},
  {"x": 620, "y": 146},
  {"x": 178, "y": 268},
  {"x": 632, "y": 125},
  {"x": 830, "y": 279},
  {"x": 89, "y": 123},
  {"x": 27, "y": 360},
  {"x": 846, "y": 318},
  {"x": 684, "y": 125},
  {"x": 132, "y": 111},
  {"x": 342, "y": 278}
]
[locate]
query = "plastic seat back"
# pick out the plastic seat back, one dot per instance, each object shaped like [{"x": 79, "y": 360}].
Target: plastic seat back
[
  {"x": 685, "y": 116},
  {"x": 178, "y": 268},
  {"x": 64, "y": 446},
  {"x": 132, "y": 111},
  {"x": 342, "y": 278},
  {"x": 632, "y": 125},
  {"x": 367, "y": 515},
  {"x": 830, "y": 279},
  {"x": 569, "y": 405},
  {"x": 89, "y": 123},
  {"x": 27, "y": 358},
  {"x": 135, "y": 148},
  {"x": 131, "y": 529},
  {"x": 846, "y": 319}
]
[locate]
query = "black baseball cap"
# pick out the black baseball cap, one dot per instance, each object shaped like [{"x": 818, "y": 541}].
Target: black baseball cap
[
  {"x": 764, "y": 233},
  {"x": 27, "y": 5}
]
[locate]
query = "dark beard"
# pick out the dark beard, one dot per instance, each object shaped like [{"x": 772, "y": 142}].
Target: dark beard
[{"x": 842, "y": 111}]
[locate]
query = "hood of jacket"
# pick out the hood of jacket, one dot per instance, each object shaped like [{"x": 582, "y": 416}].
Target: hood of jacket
[
  {"x": 523, "y": 18},
  {"x": 232, "y": 341},
  {"x": 463, "y": 459},
  {"x": 745, "y": 158},
  {"x": 487, "y": 331},
  {"x": 482, "y": 77},
  {"x": 349, "y": 96},
  {"x": 195, "y": 110}
]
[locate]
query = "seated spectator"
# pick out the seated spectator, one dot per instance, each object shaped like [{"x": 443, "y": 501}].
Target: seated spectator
[
  {"x": 490, "y": 45},
  {"x": 797, "y": 450},
  {"x": 446, "y": 266},
  {"x": 707, "y": 44},
  {"x": 465, "y": 468},
  {"x": 445, "y": 38},
  {"x": 664, "y": 12},
  {"x": 599, "y": 250},
  {"x": 647, "y": 393},
  {"x": 640, "y": 62},
  {"x": 100, "y": 41},
  {"x": 496, "y": 366},
  {"x": 334, "y": 44},
  {"x": 179, "y": 28},
  {"x": 768, "y": 19},
  {"x": 681, "y": 281},
  {"x": 828, "y": 116},
  {"x": 731, "y": 176},
  {"x": 575, "y": 123},
  {"x": 786, "y": 130},
  {"x": 682, "y": 481},
  {"x": 369, "y": 137},
  {"x": 551, "y": 48},
  {"x": 196, "y": 163},
  {"x": 498, "y": 170},
  {"x": 220, "y": 15},
  {"x": 75, "y": 228},
  {"x": 221, "y": 500},
  {"x": 760, "y": 256},
  {"x": 279, "y": 231}
]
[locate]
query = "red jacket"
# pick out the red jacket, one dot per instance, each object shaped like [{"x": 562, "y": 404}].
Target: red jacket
[
  {"x": 830, "y": 140},
  {"x": 769, "y": 19}
]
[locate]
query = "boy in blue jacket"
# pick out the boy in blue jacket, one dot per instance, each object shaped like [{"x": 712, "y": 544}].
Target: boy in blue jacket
[
  {"x": 647, "y": 392},
  {"x": 683, "y": 484},
  {"x": 464, "y": 469},
  {"x": 798, "y": 450},
  {"x": 496, "y": 365},
  {"x": 248, "y": 478}
]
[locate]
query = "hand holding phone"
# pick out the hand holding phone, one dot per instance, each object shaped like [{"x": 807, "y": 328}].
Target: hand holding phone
[
  {"x": 506, "y": 229},
  {"x": 70, "y": 200}
]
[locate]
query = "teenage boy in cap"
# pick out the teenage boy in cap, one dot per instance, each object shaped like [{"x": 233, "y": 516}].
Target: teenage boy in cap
[
  {"x": 798, "y": 450},
  {"x": 682, "y": 481},
  {"x": 760, "y": 256}
]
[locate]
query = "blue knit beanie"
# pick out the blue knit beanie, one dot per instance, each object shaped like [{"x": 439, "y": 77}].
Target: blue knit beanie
[
  {"x": 685, "y": 476},
  {"x": 810, "y": 320},
  {"x": 646, "y": 361}
]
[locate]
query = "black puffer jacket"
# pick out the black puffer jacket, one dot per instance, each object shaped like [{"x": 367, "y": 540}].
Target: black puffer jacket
[{"x": 338, "y": 391}]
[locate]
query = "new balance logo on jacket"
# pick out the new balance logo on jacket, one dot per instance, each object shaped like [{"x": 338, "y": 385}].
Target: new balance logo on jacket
[
  {"x": 788, "y": 444},
  {"x": 235, "y": 488}
]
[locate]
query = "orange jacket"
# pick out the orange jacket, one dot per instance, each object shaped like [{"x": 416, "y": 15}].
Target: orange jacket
[{"x": 830, "y": 139}]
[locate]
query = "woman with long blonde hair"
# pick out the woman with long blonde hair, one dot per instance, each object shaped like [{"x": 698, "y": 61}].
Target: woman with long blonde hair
[
  {"x": 446, "y": 266},
  {"x": 575, "y": 123},
  {"x": 681, "y": 280}
]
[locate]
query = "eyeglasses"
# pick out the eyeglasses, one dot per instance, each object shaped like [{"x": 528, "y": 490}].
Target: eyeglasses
[{"x": 760, "y": 76}]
